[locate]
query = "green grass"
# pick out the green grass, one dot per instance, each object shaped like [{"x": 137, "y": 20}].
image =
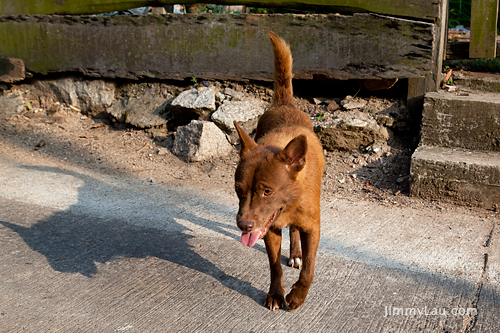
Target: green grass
[
  {"x": 460, "y": 13},
  {"x": 475, "y": 65}
]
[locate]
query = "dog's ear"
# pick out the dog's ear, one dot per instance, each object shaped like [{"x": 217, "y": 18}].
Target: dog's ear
[
  {"x": 294, "y": 154},
  {"x": 246, "y": 142}
]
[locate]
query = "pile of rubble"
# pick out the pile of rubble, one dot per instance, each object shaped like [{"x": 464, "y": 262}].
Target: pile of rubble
[{"x": 200, "y": 116}]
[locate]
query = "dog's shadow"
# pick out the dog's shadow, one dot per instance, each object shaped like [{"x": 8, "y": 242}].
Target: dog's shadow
[{"x": 75, "y": 242}]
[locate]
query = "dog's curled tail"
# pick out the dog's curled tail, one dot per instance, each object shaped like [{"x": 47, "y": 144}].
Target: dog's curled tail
[{"x": 283, "y": 91}]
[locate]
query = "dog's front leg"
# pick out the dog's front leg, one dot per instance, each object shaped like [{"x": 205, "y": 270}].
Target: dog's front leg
[
  {"x": 275, "y": 299},
  {"x": 297, "y": 295}
]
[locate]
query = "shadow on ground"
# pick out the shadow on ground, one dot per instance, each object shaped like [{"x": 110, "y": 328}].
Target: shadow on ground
[
  {"x": 348, "y": 295},
  {"x": 75, "y": 243}
]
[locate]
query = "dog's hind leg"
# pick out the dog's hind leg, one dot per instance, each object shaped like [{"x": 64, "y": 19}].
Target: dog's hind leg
[
  {"x": 309, "y": 241},
  {"x": 275, "y": 299},
  {"x": 295, "y": 252}
]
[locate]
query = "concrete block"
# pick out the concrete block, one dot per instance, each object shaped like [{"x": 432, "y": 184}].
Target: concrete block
[
  {"x": 457, "y": 175},
  {"x": 350, "y": 130},
  {"x": 470, "y": 122},
  {"x": 477, "y": 81}
]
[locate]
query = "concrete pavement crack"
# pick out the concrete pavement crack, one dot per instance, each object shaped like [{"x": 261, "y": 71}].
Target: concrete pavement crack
[{"x": 471, "y": 322}]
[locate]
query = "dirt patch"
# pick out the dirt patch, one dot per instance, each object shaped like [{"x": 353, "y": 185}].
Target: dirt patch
[{"x": 379, "y": 173}]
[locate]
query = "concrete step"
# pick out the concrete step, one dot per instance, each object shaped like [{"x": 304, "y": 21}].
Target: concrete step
[
  {"x": 477, "y": 81},
  {"x": 457, "y": 175},
  {"x": 452, "y": 120}
]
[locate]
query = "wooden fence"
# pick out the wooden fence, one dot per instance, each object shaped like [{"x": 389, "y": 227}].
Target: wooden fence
[
  {"x": 483, "y": 42},
  {"x": 483, "y": 37},
  {"x": 420, "y": 9},
  {"x": 367, "y": 40}
]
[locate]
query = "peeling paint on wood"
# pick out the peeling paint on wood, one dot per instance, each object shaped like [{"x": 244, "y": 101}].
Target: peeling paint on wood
[{"x": 362, "y": 46}]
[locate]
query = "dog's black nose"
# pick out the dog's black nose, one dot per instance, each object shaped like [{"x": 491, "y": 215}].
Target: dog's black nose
[{"x": 245, "y": 225}]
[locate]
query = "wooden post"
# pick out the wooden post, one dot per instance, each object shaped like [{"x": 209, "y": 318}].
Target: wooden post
[
  {"x": 417, "y": 87},
  {"x": 440, "y": 52},
  {"x": 483, "y": 35}
]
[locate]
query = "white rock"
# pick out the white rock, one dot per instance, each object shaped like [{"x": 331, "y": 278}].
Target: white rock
[
  {"x": 146, "y": 111},
  {"x": 353, "y": 103},
  {"x": 236, "y": 95},
  {"x": 86, "y": 95},
  {"x": 10, "y": 105},
  {"x": 199, "y": 141},
  {"x": 245, "y": 112},
  {"x": 193, "y": 104}
]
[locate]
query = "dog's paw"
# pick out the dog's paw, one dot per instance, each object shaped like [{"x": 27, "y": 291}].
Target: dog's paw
[
  {"x": 295, "y": 262},
  {"x": 275, "y": 302},
  {"x": 296, "y": 298}
]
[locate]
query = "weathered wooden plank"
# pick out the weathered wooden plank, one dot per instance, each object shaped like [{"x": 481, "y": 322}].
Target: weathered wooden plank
[
  {"x": 483, "y": 36},
  {"x": 433, "y": 81},
  {"x": 415, "y": 97},
  {"x": 417, "y": 87},
  {"x": 220, "y": 46},
  {"x": 422, "y": 9}
]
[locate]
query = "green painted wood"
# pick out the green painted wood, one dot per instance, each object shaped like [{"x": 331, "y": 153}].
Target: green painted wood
[
  {"x": 362, "y": 46},
  {"x": 483, "y": 37},
  {"x": 421, "y": 9}
]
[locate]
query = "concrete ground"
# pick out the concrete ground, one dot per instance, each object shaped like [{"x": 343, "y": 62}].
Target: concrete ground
[{"x": 82, "y": 251}]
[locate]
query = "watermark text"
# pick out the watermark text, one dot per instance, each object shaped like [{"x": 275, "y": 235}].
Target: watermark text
[{"x": 392, "y": 311}]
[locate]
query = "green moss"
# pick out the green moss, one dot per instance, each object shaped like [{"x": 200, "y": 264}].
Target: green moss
[{"x": 127, "y": 46}]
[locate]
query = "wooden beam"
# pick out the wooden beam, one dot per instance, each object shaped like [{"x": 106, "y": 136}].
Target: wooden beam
[
  {"x": 460, "y": 50},
  {"x": 417, "y": 87},
  {"x": 363, "y": 46},
  {"x": 483, "y": 36},
  {"x": 421, "y": 9},
  {"x": 433, "y": 82}
]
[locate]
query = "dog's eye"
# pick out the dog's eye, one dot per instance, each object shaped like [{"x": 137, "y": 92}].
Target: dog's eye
[{"x": 267, "y": 192}]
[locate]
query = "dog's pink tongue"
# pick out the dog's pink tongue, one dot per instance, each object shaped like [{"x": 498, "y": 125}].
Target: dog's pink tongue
[{"x": 249, "y": 239}]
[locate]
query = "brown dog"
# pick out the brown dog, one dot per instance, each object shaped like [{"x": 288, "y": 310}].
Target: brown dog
[{"x": 278, "y": 183}]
